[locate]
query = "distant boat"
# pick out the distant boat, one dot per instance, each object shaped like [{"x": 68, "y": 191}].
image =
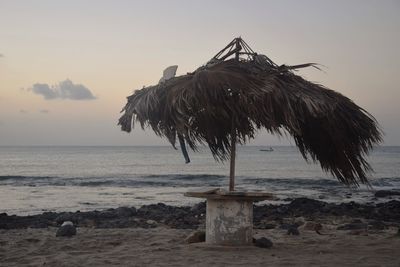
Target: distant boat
[{"x": 270, "y": 149}]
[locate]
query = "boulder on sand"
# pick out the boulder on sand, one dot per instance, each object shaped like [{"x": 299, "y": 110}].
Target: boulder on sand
[{"x": 66, "y": 229}]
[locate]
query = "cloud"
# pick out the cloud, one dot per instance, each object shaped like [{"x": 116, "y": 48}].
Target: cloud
[
  {"x": 63, "y": 90},
  {"x": 23, "y": 111},
  {"x": 45, "y": 111},
  {"x": 1, "y": 55}
]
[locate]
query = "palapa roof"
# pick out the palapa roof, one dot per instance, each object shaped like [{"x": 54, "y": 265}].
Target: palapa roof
[{"x": 248, "y": 91}]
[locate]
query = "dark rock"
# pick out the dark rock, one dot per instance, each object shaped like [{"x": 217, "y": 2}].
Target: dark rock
[
  {"x": 353, "y": 226},
  {"x": 125, "y": 212},
  {"x": 66, "y": 216},
  {"x": 305, "y": 207},
  {"x": 39, "y": 224},
  {"x": 264, "y": 225},
  {"x": 286, "y": 226},
  {"x": 107, "y": 214},
  {"x": 363, "y": 232},
  {"x": 199, "y": 208},
  {"x": 196, "y": 237},
  {"x": 50, "y": 216},
  {"x": 175, "y": 217},
  {"x": 265, "y": 216},
  {"x": 66, "y": 230},
  {"x": 386, "y": 193},
  {"x": 263, "y": 242},
  {"x": 293, "y": 231},
  {"x": 377, "y": 225},
  {"x": 312, "y": 226}
]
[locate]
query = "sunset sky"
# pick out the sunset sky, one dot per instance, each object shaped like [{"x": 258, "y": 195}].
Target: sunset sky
[{"x": 66, "y": 67}]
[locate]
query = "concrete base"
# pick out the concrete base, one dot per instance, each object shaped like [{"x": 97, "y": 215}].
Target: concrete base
[
  {"x": 229, "y": 222},
  {"x": 229, "y": 215}
]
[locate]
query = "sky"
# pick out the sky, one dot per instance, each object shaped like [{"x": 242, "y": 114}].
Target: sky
[{"x": 66, "y": 67}]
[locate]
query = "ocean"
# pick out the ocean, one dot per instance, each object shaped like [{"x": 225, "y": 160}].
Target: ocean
[{"x": 66, "y": 178}]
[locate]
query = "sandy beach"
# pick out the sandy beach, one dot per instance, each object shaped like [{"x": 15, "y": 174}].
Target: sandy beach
[
  {"x": 166, "y": 247},
  {"x": 154, "y": 235}
]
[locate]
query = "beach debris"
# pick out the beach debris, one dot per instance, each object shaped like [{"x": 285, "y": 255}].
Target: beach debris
[
  {"x": 263, "y": 242},
  {"x": 387, "y": 193},
  {"x": 196, "y": 237},
  {"x": 66, "y": 229}
]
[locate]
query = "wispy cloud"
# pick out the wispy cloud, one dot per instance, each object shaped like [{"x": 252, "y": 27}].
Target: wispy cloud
[
  {"x": 63, "y": 90},
  {"x": 44, "y": 111},
  {"x": 1, "y": 55},
  {"x": 23, "y": 111}
]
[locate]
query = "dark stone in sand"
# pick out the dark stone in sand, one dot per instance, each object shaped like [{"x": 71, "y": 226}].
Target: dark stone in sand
[
  {"x": 66, "y": 230},
  {"x": 196, "y": 237},
  {"x": 386, "y": 193},
  {"x": 355, "y": 225},
  {"x": 377, "y": 225},
  {"x": 264, "y": 225},
  {"x": 125, "y": 212},
  {"x": 293, "y": 231},
  {"x": 39, "y": 224},
  {"x": 176, "y": 217},
  {"x": 199, "y": 208},
  {"x": 313, "y": 226},
  {"x": 286, "y": 226},
  {"x": 263, "y": 242}
]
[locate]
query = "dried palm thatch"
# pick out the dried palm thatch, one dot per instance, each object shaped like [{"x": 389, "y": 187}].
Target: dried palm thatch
[{"x": 229, "y": 99}]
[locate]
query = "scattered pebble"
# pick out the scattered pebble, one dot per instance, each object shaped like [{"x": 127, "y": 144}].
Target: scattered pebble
[
  {"x": 263, "y": 242},
  {"x": 293, "y": 231}
]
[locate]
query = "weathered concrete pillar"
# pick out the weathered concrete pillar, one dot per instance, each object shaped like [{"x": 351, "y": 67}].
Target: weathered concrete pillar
[
  {"x": 229, "y": 222},
  {"x": 229, "y": 215}
]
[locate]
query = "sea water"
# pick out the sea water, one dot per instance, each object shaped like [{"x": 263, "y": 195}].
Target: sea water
[{"x": 51, "y": 178}]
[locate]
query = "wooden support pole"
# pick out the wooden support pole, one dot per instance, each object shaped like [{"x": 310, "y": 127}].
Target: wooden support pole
[
  {"x": 233, "y": 131},
  {"x": 233, "y": 156}
]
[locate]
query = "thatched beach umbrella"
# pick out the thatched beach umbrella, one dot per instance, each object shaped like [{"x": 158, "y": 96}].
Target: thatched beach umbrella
[{"x": 239, "y": 92}]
